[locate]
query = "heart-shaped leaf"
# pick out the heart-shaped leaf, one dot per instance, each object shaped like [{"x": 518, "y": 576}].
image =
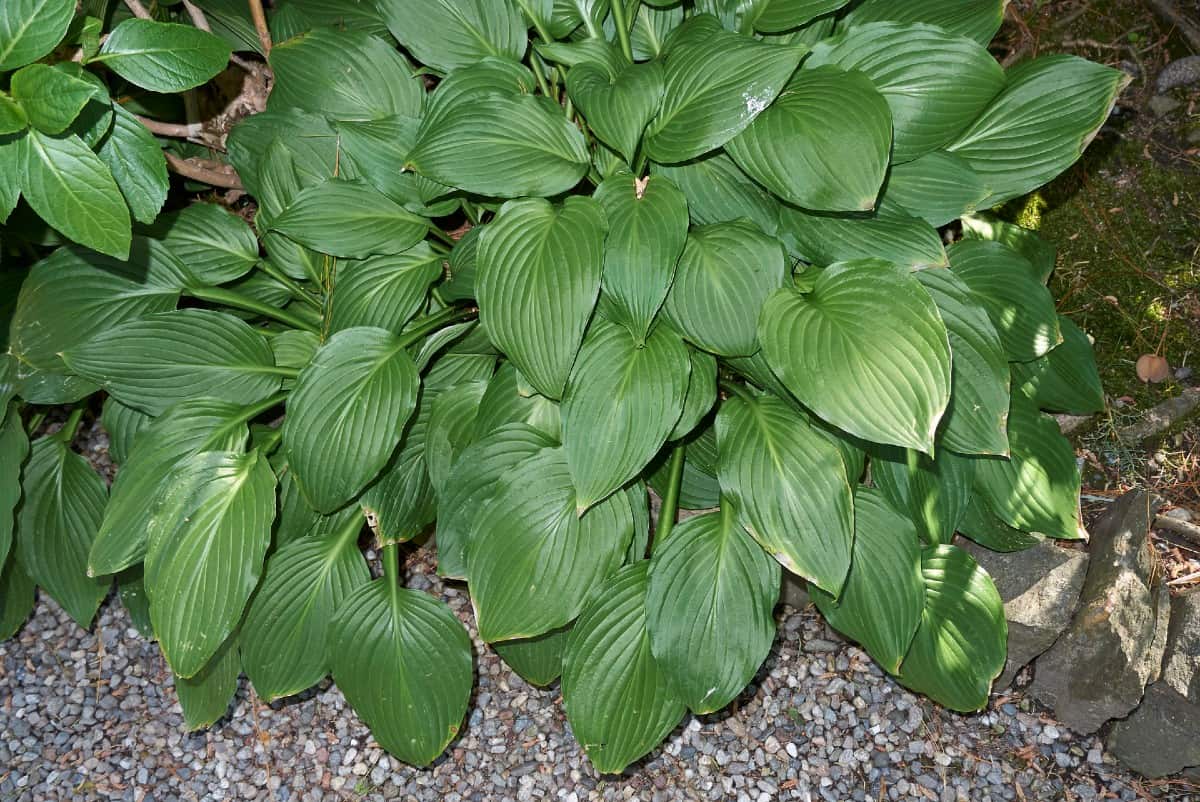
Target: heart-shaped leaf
[
  {"x": 350, "y": 219},
  {"x": 618, "y": 107},
  {"x": 933, "y": 494},
  {"x": 447, "y": 34}
]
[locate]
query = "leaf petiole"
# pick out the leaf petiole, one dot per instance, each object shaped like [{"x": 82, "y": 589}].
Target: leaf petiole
[
  {"x": 670, "y": 503},
  {"x": 232, "y": 298}
]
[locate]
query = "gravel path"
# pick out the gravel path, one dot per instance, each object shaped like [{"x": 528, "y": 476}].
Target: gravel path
[{"x": 93, "y": 715}]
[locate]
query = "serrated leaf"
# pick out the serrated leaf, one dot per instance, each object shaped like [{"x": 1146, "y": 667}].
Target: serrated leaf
[
  {"x": 824, "y": 142},
  {"x": 507, "y": 147},
  {"x": 350, "y": 219},
  {"x": 534, "y": 258},
  {"x": 11, "y": 160},
  {"x": 888, "y": 382},
  {"x": 208, "y": 536},
  {"x": 715, "y": 86},
  {"x": 617, "y": 698},
  {"x": 618, "y": 107},
  {"x": 620, "y": 404},
  {"x": 975, "y": 19},
  {"x": 1037, "y": 489},
  {"x": 50, "y": 98},
  {"x": 717, "y": 191},
  {"x": 190, "y": 427},
  {"x": 726, "y": 272},
  {"x": 1065, "y": 379},
  {"x": 216, "y": 246},
  {"x": 889, "y": 233},
  {"x": 72, "y": 189},
  {"x": 63, "y": 502},
  {"x": 163, "y": 56},
  {"x": 286, "y": 633},
  {"x": 790, "y": 487},
  {"x": 206, "y": 696},
  {"x": 1049, "y": 112},
  {"x": 538, "y": 660},
  {"x": 473, "y": 481},
  {"x": 404, "y": 663},
  {"x": 14, "y": 448},
  {"x": 533, "y": 559},
  {"x": 446, "y": 34},
  {"x": 937, "y": 187},
  {"x": 932, "y": 494},
  {"x": 29, "y": 29},
  {"x": 961, "y": 643},
  {"x": 162, "y": 359},
  {"x": 1005, "y": 284},
  {"x": 936, "y": 83},
  {"x": 347, "y": 414},
  {"x": 709, "y": 608},
  {"x": 976, "y": 419},
  {"x": 137, "y": 165},
  {"x": 344, "y": 75},
  {"x": 881, "y": 603}
]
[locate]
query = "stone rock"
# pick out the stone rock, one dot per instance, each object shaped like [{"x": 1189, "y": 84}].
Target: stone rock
[
  {"x": 1040, "y": 588},
  {"x": 1179, "y": 72},
  {"x": 1159, "y": 738},
  {"x": 1162, "y": 105},
  {"x": 794, "y": 592},
  {"x": 1100, "y": 666}
]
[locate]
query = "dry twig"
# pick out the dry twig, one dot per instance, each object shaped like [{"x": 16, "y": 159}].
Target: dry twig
[{"x": 206, "y": 170}]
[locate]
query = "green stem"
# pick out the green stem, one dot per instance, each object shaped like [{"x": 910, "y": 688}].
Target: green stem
[
  {"x": 442, "y": 235},
  {"x": 536, "y": 65},
  {"x": 295, "y": 289},
  {"x": 250, "y": 413},
  {"x": 69, "y": 429},
  {"x": 35, "y": 422},
  {"x": 431, "y": 323},
  {"x": 278, "y": 370},
  {"x": 670, "y": 503},
  {"x": 390, "y": 557},
  {"x": 622, "y": 24},
  {"x": 225, "y": 297},
  {"x": 270, "y": 441}
]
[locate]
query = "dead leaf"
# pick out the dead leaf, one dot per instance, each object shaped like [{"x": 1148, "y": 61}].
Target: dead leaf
[{"x": 1153, "y": 368}]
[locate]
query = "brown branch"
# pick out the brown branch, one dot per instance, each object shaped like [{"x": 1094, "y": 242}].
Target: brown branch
[
  {"x": 1170, "y": 12},
  {"x": 206, "y": 170},
  {"x": 198, "y": 18},
  {"x": 177, "y": 130},
  {"x": 1185, "y": 530},
  {"x": 260, "y": 24},
  {"x": 138, "y": 9}
]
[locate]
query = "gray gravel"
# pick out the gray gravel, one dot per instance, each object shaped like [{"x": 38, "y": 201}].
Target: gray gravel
[{"x": 93, "y": 715}]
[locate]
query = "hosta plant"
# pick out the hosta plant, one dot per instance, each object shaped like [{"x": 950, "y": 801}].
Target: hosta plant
[{"x": 512, "y": 267}]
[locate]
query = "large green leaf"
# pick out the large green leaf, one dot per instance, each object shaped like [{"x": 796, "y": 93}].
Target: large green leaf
[
  {"x": 474, "y": 480},
  {"x": 10, "y": 165},
  {"x": 538, "y": 660},
  {"x": 402, "y": 502},
  {"x": 350, "y": 219},
  {"x": 205, "y": 697},
  {"x": 533, "y": 559},
  {"x": 932, "y": 494},
  {"x": 887, "y": 382},
  {"x": 619, "y": 702},
  {"x": 540, "y": 268},
  {"x": 29, "y": 29},
  {"x": 285, "y": 637},
  {"x": 975, "y": 19},
  {"x": 216, "y": 246},
  {"x": 717, "y": 191},
  {"x": 72, "y": 189},
  {"x": 699, "y": 488},
  {"x": 51, "y": 99},
  {"x": 701, "y": 394},
  {"x": 790, "y": 487},
  {"x": 163, "y": 56},
  {"x": 935, "y": 82},
  {"x": 619, "y": 106},
  {"x": 651, "y": 27},
  {"x": 980, "y": 524},
  {"x": 726, "y": 272},
  {"x": 716, "y": 84},
  {"x": 1049, "y": 111},
  {"x": 647, "y": 229},
  {"x": 14, "y": 448},
  {"x": 1007, "y": 287},
  {"x": 823, "y": 144},
  {"x": 17, "y": 595},
  {"x": 347, "y": 413},
  {"x": 160, "y": 360},
  {"x": 1040, "y": 253},
  {"x": 383, "y": 291},
  {"x": 70, "y": 296},
  {"x": 1065, "y": 379},
  {"x": 710, "y": 608},
  {"x": 889, "y": 233},
  {"x": 344, "y": 75},
  {"x": 208, "y": 537},
  {"x": 961, "y": 643},
  {"x": 938, "y": 187},
  {"x": 1037, "y": 489},
  {"x": 775, "y": 16},
  {"x": 490, "y": 76},
  {"x": 509, "y": 399},
  {"x": 976, "y": 419},
  {"x": 63, "y": 502},
  {"x": 507, "y": 147},
  {"x": 447, "y": 34},
  {"x": 881, "y": 603},
  {"x": 137, "y": 164},
  {"x": 192, "y": 426},
  {"x": 404, "y": 663},
  {"x": 620, "y": 404},
  {"x": 451, "y": 429}
]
